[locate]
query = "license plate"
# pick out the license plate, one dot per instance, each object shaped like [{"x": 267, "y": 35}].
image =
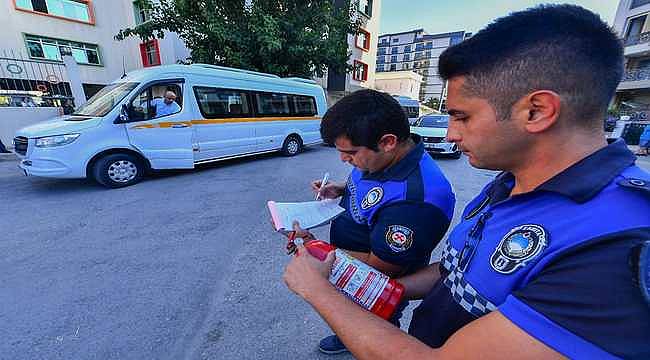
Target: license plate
[{"x": 429, "y": 146}]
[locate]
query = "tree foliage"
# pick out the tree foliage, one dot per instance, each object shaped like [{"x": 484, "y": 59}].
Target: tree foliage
[
  {"x": 433, "y": 103},
  {"x": 283, "y": 37}
]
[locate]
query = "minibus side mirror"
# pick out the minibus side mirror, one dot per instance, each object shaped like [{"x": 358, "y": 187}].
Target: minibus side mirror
[{"x": 124, "y": 115}]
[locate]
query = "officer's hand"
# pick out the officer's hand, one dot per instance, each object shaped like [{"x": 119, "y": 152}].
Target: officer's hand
[
  {"x": 305, "y": 274},
  {"x": 331, "y": 190}
]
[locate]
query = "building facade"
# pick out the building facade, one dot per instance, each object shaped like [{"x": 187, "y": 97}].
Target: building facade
[
  {"x": 363, "y": 51},
  {"x": 43, "y": 31},
  {"x": 403, "y": 83},
  {"x": 419, "y": 52},
  {"x": 632, "y": 22}
]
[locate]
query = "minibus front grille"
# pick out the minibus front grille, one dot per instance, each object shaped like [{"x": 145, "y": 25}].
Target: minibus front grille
[{"x": 20, "y": 145}]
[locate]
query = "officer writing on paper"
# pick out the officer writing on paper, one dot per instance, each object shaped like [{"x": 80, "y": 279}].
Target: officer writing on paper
[
  {"x": 550, "y": 260},
  {"x": 398, "y": 203}
]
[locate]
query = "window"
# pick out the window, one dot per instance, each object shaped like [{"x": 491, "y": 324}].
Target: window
[
  {"x": 222, "y": 103},
  {"x": 419, "y": 47},
  {"x": 141, "y": 15},
  {"x": 395, "y": 40},
  {"x": 407, "y": 57},
  {"x": 365, "y": 7},
  {"x": 637, "y": 3},
  {"x": 154, "y": 102},
  {"x": 393, "y": 67},
  {"x": 75, "y": 10},
  {"x": 304, "y": 105},
  {"x": 271, "y": 104},
  {"x": 393, "y": 50},
  {"x": 361, "y": 71},
  {"x": 427, "y": 54},
  {"x": 53, "y": 49},
  {"x": 381, "y": 60},
  {"x": 429, "y": 45},
  {"x": 381, "y": 51},
  {"x": 393, "y": 58},
  {"x": 362, "y": 40},
  {"x": 407, "y": 66},
  {"x": 407, "y": 48},
  {"x": 150, "y": 53}
]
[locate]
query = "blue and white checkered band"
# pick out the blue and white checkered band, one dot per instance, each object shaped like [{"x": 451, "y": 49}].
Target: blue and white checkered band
[
  {"x": 466, "y": 296},
  {"x": 518, "y": 247},
  {"x": 354, "y": 207},
  {"x": 449, "y": 259}
]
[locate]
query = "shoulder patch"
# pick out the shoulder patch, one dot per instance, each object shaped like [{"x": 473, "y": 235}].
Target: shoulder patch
[
  {"x": 372, "y": 198},
  {"x": 399, "y": 238},
  {"x": 640, "y": 262},
  {"x": 518, "y": 247},
  {"x": 636, "y": 184}
]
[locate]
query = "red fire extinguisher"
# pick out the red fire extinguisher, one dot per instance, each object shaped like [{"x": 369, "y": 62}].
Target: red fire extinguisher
[{"x": 360, "y": 282}]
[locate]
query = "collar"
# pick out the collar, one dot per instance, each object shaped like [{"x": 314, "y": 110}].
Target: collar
[
  {"x": 582, "y": 180},
  {"x": 403, "y": 168}
]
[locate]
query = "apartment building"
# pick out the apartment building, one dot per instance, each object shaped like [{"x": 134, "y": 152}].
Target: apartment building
[
  {"x": 43, "y": 31},
  {"x": 417, "y": 51},
  {"x": 363, "y": 50}
]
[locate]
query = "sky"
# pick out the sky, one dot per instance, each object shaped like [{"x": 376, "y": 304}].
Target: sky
[{"x": 441, "y": 16}]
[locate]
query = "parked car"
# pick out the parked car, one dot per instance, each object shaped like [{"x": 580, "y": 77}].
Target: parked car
[
  {"x": 410, "y": 106},
  {"x": 209, "y": 113},
  {"x": 433, "y": 130}
]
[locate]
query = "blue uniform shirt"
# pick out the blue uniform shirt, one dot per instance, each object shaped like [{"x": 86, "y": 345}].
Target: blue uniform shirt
[
  {"x": 555, "y": 261},
  {"x": 399, "y": 214},
  {"x": 163, "y": 109}
]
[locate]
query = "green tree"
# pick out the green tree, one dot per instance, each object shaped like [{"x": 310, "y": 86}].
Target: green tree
[
  {"x": 283, "y": 37},
  {"x": 433, "y": 103}
]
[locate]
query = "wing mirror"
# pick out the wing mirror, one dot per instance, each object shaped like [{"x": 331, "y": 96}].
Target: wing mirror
[{"x": 124, "y": 115}]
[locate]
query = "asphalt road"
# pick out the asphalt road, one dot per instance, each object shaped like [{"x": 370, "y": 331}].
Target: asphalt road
[{"x": 181, "y": 266}]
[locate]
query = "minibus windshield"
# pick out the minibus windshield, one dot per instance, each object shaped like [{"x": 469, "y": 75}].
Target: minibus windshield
[{"x": 106, "y": 99}]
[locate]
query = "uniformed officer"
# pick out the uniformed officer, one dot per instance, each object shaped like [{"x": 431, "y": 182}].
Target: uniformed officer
[
  {"x": 398, "y": 203},
  {"x": 551, "y": 259}
]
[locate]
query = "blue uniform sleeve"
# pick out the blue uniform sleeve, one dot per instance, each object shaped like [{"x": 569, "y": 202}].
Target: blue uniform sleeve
[
  {"x": 405, "y": 233},
  {"x": 586, "y": 303}
]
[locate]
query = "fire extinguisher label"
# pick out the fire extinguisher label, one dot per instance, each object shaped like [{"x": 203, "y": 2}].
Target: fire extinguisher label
[{"x": 358, "y": 281}]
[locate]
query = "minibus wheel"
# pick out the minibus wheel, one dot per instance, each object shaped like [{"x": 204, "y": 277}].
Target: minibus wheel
[
  {"x": 292, "y": 145},
  {"x": 118, "y": 170}
]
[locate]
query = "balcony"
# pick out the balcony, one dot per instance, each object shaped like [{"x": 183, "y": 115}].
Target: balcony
[
  {"x": 635, "y": 79},
  {"x": 637, "y": 45}
]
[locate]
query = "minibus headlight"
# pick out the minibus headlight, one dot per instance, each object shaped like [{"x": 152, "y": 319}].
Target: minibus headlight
[{"x": 58, "y": 140}]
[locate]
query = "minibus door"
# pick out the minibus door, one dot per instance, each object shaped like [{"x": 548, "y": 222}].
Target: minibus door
[{"x": 160, "y": 128}]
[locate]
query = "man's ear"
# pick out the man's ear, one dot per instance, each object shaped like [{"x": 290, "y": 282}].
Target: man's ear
[
  {"x": 387, "y": 143},
  {"x": 543, "y": 110}
]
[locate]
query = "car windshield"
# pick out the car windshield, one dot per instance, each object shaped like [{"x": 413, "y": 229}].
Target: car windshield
[
  {"x": 106, "y": 99},
  {"x": 440, "y": 121}
]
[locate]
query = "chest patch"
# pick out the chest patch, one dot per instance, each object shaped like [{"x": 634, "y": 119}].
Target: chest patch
[
  {"x": 399, "y": 238},
  {"x": 372, "y": 198},
  {"x": 518, "y": 247}
]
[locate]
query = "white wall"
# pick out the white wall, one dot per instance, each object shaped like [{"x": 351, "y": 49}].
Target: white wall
[
  {"x": 403, "y": 83},
  {"x": 13, "y": 119}
]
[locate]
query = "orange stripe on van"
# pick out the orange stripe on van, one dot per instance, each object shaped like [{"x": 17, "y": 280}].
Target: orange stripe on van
[{"x": 169, "y": 124}]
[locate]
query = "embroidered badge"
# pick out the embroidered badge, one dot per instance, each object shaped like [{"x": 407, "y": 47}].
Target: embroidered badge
[
  {"x": 399, "y": 238},
  {"x": 518, "y": 247},
  {"x": 372, "y": 198}
]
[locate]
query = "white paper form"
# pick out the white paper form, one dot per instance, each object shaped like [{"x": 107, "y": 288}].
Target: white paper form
[{"x": 309, "y": 214}]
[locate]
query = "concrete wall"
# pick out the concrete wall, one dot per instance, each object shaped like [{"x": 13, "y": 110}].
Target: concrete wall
[
  {"x": 13, "y": 119},
  {"x": 403, "y": 83}
]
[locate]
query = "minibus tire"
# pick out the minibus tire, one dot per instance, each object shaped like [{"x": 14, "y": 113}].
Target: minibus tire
[
  {"x": 132, "y": 170},
  {"x": 292, "y": 145}
]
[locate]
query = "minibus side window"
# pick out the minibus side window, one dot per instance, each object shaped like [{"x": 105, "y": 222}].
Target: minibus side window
[
  {"x": 272, "y": 104},
  {"x": 156, "y": 101},
  {"x": 304, "y": 105},
  {"x": 222, "y": 103}
]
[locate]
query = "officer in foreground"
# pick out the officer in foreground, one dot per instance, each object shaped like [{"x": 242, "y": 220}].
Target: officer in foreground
[
  {"x": 398, "y": 203},
  {"x": 551, "y": 258}
]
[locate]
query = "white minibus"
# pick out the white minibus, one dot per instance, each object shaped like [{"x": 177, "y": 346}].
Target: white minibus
[{"x": 174, "y": 117}]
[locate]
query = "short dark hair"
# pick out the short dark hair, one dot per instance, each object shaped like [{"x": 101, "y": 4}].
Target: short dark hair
[
  {"x": 563, "y": 48},
  {"x": 364, "y": 117}
]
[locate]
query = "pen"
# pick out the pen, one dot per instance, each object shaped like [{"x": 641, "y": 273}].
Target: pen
[{"x": 322, "y": 184}]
